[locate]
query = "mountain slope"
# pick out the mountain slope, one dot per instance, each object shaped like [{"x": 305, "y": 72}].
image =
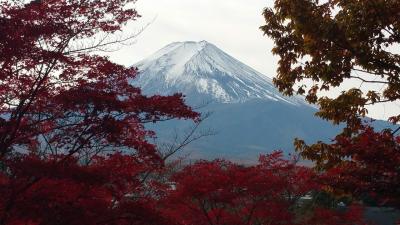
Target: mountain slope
[
  {"x": 249, "y": 115},
  {"x": 245, "y": 130}
]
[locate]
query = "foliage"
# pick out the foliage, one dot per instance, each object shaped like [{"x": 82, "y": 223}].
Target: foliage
[
  {"x": 328, "y": 43},
  {"x": 57, "y": 96},
  {"x": 108, "y": 191},
  {"x": 66, "y": 112},
  {"x": 221, "y": 192},
  {"x": 366, "y": 164}
]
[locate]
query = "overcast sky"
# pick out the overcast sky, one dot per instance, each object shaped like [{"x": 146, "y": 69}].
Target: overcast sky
[{"x": 232, "y": 25}]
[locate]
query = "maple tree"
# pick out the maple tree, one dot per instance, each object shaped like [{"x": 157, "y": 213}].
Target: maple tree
[
  {"x": 108, "y": 191},
  {"x": 221, "y": 192},
  {"x": 73, "y": 146},
  {"x": 364, "y": 165},
  {"x": 328, "y": 43},
  {"x": 56, "y": 96}
]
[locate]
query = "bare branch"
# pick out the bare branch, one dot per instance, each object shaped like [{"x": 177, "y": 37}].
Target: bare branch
[{"x": 369, "y": 81}]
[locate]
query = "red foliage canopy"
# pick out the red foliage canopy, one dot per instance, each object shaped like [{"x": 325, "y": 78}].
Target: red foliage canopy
[
  {"x": 62, "y": 108},
  {"x": 373, "y": 168},
  {"x": 108, "y": 191},
  {"x": 221, "y": 192},
  {"x": 55, "y": 96}
]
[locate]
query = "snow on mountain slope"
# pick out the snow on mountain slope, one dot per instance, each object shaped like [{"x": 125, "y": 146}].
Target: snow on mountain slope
[
  {"x": 250, "y": 117},
  {"x": 202, "y": 69}
]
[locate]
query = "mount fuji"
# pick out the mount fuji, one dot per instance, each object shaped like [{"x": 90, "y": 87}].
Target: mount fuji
[
  {"x": 202, "y": 71},
  {"x": 249, "y": 115}
]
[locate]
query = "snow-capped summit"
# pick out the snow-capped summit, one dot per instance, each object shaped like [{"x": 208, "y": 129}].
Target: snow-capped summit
[{"x": 202, "y": 69}]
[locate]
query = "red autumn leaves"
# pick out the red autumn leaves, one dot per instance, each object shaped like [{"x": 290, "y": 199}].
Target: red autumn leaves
[
  {"x": 113, "y": 190},
  {"x": 222, "y": 192}
]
